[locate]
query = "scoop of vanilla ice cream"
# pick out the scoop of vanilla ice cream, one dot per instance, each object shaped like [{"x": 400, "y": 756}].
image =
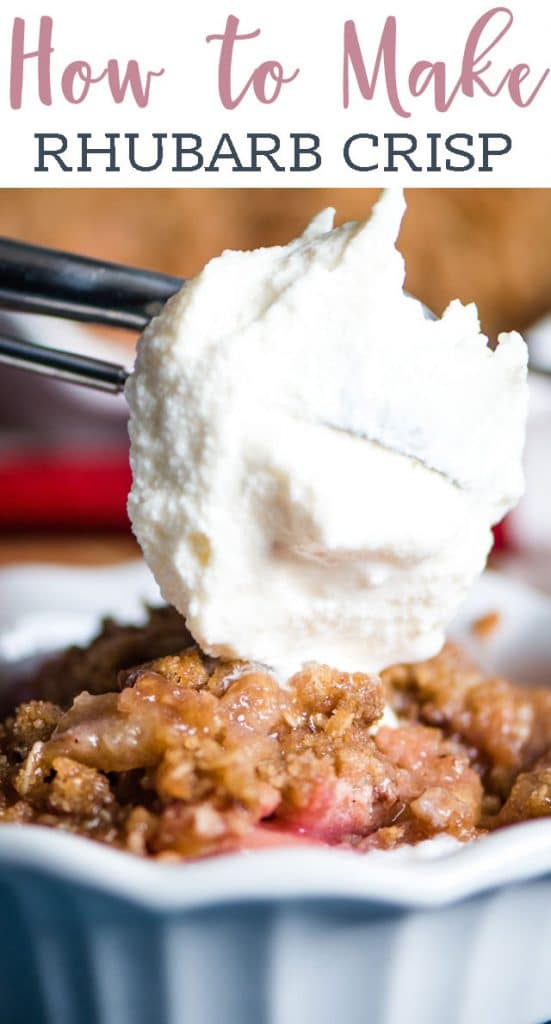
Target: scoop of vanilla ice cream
[{"x": 317, "y": 466}]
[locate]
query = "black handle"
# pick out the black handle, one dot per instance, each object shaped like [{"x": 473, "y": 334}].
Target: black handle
[
  {"x": 53, "y": 362},
  {"x": 39, "y": 280}
]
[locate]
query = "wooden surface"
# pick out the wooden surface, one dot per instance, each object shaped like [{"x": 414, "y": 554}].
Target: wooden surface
[
  {"x": 67, "y": 549},
  {"x": 488, "y": 245}
]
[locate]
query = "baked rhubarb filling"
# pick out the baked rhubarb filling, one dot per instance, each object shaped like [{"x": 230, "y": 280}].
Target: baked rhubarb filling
[{"x": 143, "y": 742}]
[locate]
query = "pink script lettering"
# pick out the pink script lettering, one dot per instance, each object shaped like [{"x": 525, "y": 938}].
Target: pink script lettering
[
  {"x": 478, "y": 70},
  {"x": 77, "y": 77},
  {"x": 258, "y": 80}
]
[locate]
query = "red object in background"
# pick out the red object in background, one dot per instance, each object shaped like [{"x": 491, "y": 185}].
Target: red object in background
[
  {"x": 65, "y": 490},
  {"x": 502, "y": 538}
]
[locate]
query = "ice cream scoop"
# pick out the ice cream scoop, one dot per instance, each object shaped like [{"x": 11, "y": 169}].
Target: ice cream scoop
[{"x": 316, "y": 465}]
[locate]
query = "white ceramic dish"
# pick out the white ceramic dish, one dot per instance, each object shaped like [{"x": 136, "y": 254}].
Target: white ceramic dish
[{"x": 437, "y": 934}]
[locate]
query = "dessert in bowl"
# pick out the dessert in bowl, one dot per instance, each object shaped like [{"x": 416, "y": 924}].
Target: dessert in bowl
[
  {"x": 440, "y": 930},
  {"x": 188, "y": 756},
  {"x": 317, "y": 469},
  {"x": 316, "y": 520}
]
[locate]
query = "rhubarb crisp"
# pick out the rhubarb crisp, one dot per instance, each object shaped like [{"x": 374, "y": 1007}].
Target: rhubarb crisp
[{"x": 141, "y": 741}]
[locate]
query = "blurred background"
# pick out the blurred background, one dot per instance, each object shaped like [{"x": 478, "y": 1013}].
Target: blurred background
[{"x": 63, "y": 453}]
